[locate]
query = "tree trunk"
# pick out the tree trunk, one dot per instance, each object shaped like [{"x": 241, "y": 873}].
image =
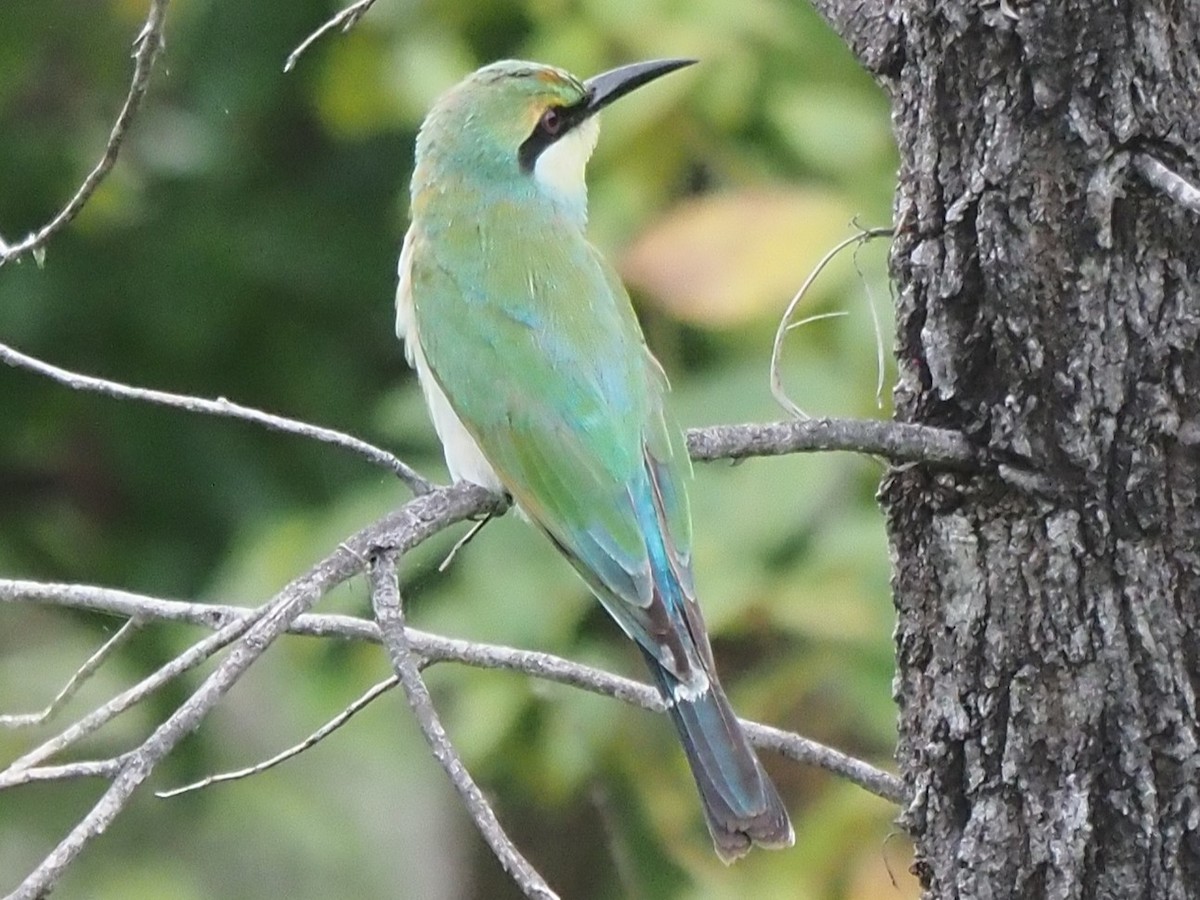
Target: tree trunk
[{"x": 1048, "y": 652}]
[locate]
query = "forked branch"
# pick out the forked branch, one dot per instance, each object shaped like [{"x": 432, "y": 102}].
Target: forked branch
[
  {"x": 146, "y": 49},
  {"x": 431, "y": 649},
  {"x": 399, "y": 531}
]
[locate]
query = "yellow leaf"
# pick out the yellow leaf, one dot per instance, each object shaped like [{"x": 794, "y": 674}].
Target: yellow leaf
[{"x": 726, "y": 259}]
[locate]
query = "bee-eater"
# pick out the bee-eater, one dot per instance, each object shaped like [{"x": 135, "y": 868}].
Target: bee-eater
[{"x": 540, "y": 385}]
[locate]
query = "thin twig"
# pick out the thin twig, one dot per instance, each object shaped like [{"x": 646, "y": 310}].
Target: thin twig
[
  {"x": 475, "y": 528},
  {"x": 385, "y": 597},
  {"x": 618, "y": 848},
  {"x": 346, "y": 19},
  {"x": 880, "y": 365},
  {"x": 76, "y": 681},
  {"x": 776, "y": 377},
  {"x": 1170, "y": 183},
  {"x": 817, "y": 317},
  {"x": 146, "y": 48},
  {"x": 436, "y": 648},
  {"x": 401, "y": 530},
  {"x": 98, "y": 718},
  {"x": 295, "y": 750},
  {"x": 797, "y": 410},
  {"x": 219, "y": 407}
]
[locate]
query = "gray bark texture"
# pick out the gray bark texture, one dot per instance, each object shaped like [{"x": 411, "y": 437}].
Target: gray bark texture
[{"x": 1048, "y": 636}]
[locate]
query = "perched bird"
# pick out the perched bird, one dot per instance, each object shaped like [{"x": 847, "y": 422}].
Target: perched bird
[{"x": 540, "y": 385}]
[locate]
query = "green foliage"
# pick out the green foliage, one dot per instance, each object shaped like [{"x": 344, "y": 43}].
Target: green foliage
[{"x": 245, "y": 246}]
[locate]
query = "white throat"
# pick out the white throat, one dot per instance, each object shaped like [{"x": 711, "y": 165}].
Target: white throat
[{"x": 559, "y": 168}]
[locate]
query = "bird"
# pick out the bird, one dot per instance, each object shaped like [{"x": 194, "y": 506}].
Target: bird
[{"x": 540, "y": 386}]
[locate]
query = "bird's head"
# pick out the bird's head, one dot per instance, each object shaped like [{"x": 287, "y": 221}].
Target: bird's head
[{"x": 524, "y": 121}]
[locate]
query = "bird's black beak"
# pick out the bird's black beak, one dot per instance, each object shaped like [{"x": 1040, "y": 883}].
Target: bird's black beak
[{"x": 603, "y": 89}]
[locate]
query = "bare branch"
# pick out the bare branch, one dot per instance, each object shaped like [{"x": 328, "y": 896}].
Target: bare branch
[
  {"x": 1170, "y": 183},
  {"x": 346, "y": 19},
  {"x": 400, "y": 530},
  {"x": 76, "y": 681},
  {"x": 219, "y": 407},
  {"x": 103, "y": 768},
  {"x": 875, "y": 781},
  {"x": 897, "y": 441},
  {"x": 207, "y": 615},
  {"x": 385, "y": 597},
  {"x": 146, "y": 48},
  {"x": 296, "y": 749},
  {"x": 436, "y": 648}
]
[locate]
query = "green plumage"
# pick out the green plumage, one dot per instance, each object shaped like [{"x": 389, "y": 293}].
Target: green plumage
[{"x": 538, "y": 349}]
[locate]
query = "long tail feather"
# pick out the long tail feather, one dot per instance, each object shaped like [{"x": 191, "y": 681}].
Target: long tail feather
[{"x": 740, "y": 802}]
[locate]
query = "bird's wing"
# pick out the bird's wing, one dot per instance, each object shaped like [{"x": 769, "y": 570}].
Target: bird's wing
[{"x": 538, "y": 350}]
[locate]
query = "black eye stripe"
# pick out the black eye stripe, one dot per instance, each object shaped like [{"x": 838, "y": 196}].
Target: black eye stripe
[{"x": 553, "y": 123}]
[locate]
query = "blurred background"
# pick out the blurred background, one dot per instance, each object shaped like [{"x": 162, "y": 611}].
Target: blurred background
[{"x": 245, "y": 246}]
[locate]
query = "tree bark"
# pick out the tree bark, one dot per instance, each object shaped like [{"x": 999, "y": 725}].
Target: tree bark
[{"x": 1048, "y": 652}]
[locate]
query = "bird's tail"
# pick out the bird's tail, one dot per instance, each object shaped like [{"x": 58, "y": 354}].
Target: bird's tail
[{"x": 740, "y": 802}]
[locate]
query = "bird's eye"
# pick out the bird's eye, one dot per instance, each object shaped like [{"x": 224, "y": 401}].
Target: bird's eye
[{"x": 551, "y": 121}]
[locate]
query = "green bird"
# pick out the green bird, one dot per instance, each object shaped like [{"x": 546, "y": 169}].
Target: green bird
[{"x": 540, "y": 385}]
